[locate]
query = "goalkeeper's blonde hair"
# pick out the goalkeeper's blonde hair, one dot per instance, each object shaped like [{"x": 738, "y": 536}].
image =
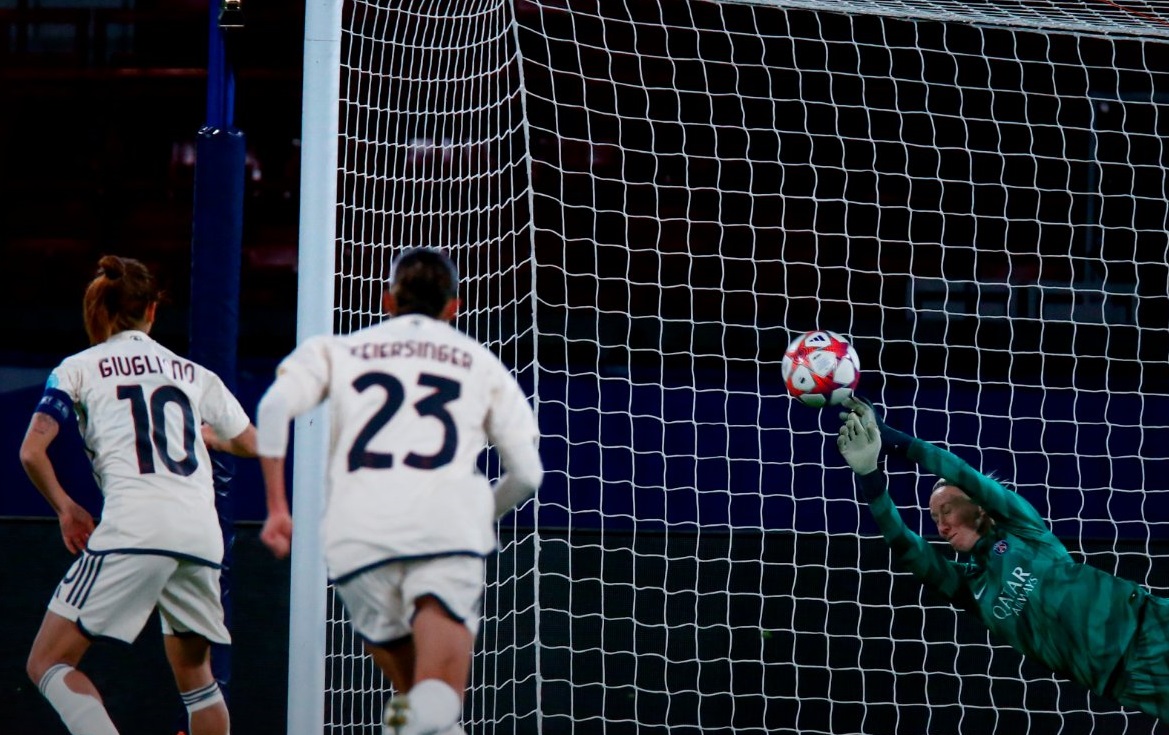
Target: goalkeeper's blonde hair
[{"x": 994, "y": 476}]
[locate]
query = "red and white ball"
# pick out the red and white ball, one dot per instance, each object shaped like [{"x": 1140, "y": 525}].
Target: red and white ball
[{"x": 821, "y": 368}]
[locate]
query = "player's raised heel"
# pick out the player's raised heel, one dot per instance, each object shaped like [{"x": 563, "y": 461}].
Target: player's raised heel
[{"x": 395, "y": 717}]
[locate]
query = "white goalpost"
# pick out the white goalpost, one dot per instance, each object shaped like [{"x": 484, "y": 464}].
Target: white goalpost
[
  {"x": 315, "y": 304},
  {"x": 646, "y": 200}
]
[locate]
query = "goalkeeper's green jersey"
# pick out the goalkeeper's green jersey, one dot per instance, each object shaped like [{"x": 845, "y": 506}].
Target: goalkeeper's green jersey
[{"x": 1020, "y": 580}]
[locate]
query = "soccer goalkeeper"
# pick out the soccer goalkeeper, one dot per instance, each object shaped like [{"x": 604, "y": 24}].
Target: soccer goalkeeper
[{"x": 1104, "y": 632}]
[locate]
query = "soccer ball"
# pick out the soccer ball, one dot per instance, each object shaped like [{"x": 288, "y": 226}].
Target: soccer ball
[{"x": 820, "y": 368}]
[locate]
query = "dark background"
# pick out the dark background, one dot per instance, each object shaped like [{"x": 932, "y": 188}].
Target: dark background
[
  {"x": 100, "y": 104},
  {"x": 982, "y": 210},
  {"x": 989, "y": 245},
  {"x": 698, "y": 632},
  {"x": 101, "y": 110}
]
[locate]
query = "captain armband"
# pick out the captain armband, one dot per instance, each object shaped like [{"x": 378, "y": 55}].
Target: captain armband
[{"x": 57, "y": 404}]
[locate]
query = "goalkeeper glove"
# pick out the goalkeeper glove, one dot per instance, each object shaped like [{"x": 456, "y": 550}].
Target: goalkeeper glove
[
  {"x": 859, "y": 442},
  {"x": 892, "y": 440}
]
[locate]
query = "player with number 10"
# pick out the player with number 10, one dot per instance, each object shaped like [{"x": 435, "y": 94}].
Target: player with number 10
[
  {"x": 147, "y": 417},
  {"x": 409, "y": 517}
]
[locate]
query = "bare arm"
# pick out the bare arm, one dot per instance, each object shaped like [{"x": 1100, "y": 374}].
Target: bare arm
[
  {"x": 243, "y": 445},
  {"x": 277, "y": 531},
  {"x": 76, "y": 523}
]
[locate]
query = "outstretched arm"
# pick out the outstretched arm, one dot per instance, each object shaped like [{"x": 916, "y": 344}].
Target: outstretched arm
[
  {"x": 859, "y": 442},
  {"x": 999, "y": 502},
  {"x": 914, "y": 553}
]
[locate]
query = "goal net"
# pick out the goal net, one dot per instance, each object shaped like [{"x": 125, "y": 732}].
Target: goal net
[{"x": 647, "y": 200}]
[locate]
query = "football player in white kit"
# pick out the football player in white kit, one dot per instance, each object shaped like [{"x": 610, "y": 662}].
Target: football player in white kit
[
  {"x": 408, "y": 518},
  {"x": 143, "y": 413}
]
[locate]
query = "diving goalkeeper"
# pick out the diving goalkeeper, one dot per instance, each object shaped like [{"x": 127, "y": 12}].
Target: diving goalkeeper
[{"x": 1104, "y": 632}]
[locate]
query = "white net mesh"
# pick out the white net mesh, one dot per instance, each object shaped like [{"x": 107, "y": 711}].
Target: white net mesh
[
  {"x": 1138, "y": 17},
  {"x": 431, "y": 155},
  {"x": 647, "y": 200}
]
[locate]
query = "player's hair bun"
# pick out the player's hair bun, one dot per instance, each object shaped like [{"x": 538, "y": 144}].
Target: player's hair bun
[{"x": 111, "y": 267}]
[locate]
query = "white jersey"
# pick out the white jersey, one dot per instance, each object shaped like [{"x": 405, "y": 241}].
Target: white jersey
[
  {"x": 139, "y": 408},
  {"x": 412, "y": 401}
]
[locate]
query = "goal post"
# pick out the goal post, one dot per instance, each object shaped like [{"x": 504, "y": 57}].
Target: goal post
[
  {"x": 413, "y": 111},
  {"x": 646, "y": 201},
  {"x": 316, "y": 263}
]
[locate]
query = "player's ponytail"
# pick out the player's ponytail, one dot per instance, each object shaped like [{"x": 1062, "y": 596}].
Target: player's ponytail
[
  {"x": 111, "y": 267},
  {"x": 117, "y": 298}
]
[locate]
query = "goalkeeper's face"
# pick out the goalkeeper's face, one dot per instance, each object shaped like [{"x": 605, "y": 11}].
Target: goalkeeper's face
[{"x": 959, "y": 519}]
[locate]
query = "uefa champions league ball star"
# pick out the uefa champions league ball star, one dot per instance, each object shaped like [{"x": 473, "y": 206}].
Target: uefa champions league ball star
[{"x": 820, "y": 368}]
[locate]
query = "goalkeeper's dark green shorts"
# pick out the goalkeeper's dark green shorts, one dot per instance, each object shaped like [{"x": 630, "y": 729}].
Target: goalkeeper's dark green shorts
[{"x": 1143, "y": 679}]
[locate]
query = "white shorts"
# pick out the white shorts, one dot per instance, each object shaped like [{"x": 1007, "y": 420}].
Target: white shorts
[
  {"x": 380, "y": 602},
  {"x": 111, "y": 594}
]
